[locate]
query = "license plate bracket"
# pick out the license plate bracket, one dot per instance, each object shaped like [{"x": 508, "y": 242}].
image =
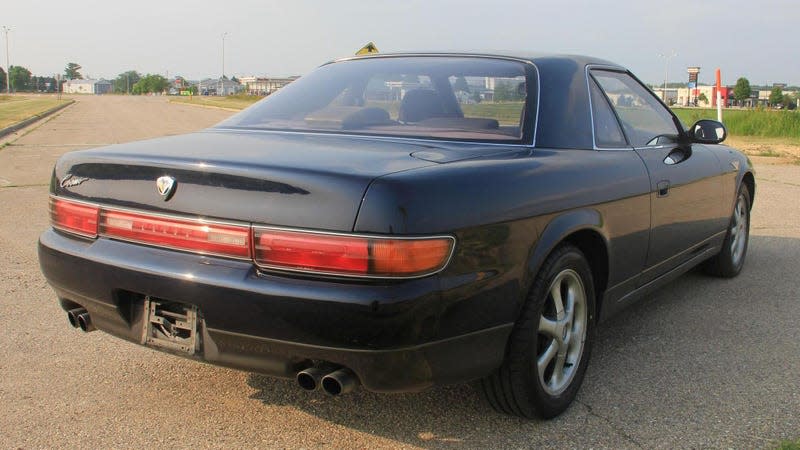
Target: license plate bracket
[{"x": 170, "y": 325}]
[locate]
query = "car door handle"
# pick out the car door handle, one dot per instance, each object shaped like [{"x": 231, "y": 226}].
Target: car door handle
[{"x": 663, "y": 188}]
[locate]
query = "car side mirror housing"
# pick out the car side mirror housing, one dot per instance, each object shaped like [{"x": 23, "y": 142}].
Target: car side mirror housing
[{"x": 706, "y": 131}]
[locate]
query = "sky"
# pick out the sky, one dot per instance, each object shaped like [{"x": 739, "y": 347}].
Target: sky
[{"x": 756, "y": 40}]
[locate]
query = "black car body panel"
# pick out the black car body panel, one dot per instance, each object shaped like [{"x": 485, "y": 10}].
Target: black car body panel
[{"x": 506, "y": 205}]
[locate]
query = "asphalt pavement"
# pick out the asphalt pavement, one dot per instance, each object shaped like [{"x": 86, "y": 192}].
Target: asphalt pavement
[{"x": 704, "y": 363}]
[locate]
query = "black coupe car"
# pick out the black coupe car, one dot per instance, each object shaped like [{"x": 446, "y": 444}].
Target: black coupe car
[{"x": 398, "y": 221}]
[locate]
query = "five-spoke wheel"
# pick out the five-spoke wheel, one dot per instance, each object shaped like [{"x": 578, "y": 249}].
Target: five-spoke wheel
[
  {"x": 562, "y": 332},
  {"x": 549, "y": 348}
]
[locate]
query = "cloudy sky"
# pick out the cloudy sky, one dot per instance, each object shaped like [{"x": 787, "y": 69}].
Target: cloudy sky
[{"x": 758, "y": 40}]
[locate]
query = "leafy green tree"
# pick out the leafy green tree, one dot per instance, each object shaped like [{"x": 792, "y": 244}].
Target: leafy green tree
[
  {"x": 776, "y": 96},
  {"x": 125, "y": 81},
  {"x": 20, "y": 78},
  {"x": 44, "y": 84},
  {"x": 71, "y": 72},
  {"x": 702, "y": 97},
  {"x": 150, "y": 83},
  {"x": 789, "y": 102},
  {"x": 2, "y": 80},
  {"x": 742, "y": 90},
  {"x": 502, "y": 92}
]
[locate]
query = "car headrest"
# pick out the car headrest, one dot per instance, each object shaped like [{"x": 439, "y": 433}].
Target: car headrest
[{"x": 420, "y": 104}]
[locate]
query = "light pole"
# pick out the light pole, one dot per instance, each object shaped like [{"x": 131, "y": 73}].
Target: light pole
[
  {"x": 223, "y": 53},
  {"x": 666, "y": 71},
  {"x": 8, "y": 66},
  {"x": 221, "y": 83}
]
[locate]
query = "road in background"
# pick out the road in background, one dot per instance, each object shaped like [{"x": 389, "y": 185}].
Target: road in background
[{"x": 705, "y": 363}]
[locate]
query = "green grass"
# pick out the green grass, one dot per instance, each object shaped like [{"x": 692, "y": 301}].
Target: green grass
[
  {"x": 756, "y": 122},
  {"x": 768, "y": 153},
  {"x": 788, "y": 445},
  {"x": 507, "y": 113},
  {"x": 239, "y": 101},
  {"x": 15, "y": 108}
]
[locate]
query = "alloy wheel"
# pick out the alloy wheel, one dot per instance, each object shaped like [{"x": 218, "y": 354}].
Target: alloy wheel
[{"x": 562, "y": 332}]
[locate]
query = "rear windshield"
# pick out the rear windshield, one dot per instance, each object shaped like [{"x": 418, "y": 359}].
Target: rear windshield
[{"x": 461, "y": 98}]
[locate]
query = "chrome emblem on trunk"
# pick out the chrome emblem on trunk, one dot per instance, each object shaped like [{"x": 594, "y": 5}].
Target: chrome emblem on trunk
[
  {"x": 166, "y": 187},
  {"x": 71, "y": 180}
]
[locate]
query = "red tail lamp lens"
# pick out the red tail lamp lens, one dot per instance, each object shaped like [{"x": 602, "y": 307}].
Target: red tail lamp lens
[
  {"x": 316, "y": 252},
  {"x": 74, "y": 217},
  {"x": 191, "y": 235},
  {"x": 350, "y": 255}
]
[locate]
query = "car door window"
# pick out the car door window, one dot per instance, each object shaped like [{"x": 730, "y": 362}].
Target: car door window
[
  {"x": 646, "y": 122},
  {"x": 607, "y": 133}
]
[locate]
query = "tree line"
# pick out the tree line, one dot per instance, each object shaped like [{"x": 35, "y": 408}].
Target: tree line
[
  {"x": 742, "y": 92},
  {"x": 130, "y": 82}
]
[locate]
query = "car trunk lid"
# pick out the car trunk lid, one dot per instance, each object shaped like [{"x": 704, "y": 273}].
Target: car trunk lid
[{"x": 284, "y": 179}]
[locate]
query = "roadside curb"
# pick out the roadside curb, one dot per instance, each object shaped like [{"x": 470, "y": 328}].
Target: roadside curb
[{"x": 35, "y": 118}]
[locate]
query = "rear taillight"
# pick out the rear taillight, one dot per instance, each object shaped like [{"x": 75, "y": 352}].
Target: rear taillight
[
  {"x": 350, "y": 255},
  {"x": 301, "y": 251},
  {"x": 74, "y": 217},
  {"x": 183, "y": 234}
]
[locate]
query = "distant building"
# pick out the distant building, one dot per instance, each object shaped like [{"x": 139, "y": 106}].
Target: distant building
[
  {"x": 264, "y": 85},
  {"x": 694, "y": 97},
  {"x": 98, "y": 87},
  {"x": 672, "y": 95},
  {"x": 220, "y": 86}
]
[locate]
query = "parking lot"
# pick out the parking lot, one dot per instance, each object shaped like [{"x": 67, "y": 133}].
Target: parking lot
[{"x": 705, "y": 363}]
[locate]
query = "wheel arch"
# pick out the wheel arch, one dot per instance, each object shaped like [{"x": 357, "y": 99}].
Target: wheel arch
[
  {"x": 749, "y": 181},
  {"x": 584, "y": 230}
]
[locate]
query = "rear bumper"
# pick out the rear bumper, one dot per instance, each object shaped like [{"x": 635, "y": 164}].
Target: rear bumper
[{"x": 388, "y": 334}]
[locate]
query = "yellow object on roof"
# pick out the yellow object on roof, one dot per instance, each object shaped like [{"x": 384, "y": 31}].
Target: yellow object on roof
[{"x": 367, "y": 49}]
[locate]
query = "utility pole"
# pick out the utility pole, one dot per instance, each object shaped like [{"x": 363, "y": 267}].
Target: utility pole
[
  {"x": 8, "y": 65},
  {"x": 666, "y": 71},
  {"x": 221, "y": 84},
  {"x": 223, "y": 53}
]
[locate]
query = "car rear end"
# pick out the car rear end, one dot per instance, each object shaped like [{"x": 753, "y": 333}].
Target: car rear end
[{"x": 238, "y": 246}]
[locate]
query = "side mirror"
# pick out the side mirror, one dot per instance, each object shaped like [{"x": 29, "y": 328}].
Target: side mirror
[{"x": 707, "y": 131}]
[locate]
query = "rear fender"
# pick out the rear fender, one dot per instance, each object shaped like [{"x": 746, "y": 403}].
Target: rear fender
[{"x": 556, "y": 231}]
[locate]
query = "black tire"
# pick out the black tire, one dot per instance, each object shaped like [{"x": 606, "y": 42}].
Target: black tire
[
  {"x": 517, "y": 387},
  {"x": 730, "y": 260}
]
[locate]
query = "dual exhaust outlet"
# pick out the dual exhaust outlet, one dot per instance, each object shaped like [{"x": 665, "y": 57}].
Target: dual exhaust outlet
[
  {"x": 332, "y": 380},
  {"x": 80, "y": 318}
]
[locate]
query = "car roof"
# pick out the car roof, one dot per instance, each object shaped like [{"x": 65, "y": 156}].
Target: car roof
[{"x": 535, "y": 58}]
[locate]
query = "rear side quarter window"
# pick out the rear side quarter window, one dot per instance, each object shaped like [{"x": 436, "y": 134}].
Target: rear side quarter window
[{"x": 607, "y": 131}]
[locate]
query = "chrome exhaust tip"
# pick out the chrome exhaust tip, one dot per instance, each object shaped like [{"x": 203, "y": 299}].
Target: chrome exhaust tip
[
  {"x": 85, "y": 322},
  {"x": 340, "y": 382},
  {"x": 310, "y": 378},
  {"x": 72, "y": 316}
]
